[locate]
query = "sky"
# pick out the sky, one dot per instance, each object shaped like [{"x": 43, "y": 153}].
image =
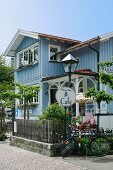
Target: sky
[{"x": 76, "y": 19}]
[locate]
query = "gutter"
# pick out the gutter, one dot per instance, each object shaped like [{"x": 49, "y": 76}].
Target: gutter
[{"x": 77, "y": 47}]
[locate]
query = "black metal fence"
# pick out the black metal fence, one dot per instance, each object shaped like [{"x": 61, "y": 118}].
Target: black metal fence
[{"x": 49, "y": 131}]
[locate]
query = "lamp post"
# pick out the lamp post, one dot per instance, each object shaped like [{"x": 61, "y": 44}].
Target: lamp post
[{"x": 70, "y": 64}]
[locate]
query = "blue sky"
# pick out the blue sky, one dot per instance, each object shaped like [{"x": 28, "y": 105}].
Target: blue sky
[{"x": 77, "y": 19}]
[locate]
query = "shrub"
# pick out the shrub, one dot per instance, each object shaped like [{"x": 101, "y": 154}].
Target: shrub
[
  {"x": 52, "y": 112},
  {"x": 2, "y": 136}
]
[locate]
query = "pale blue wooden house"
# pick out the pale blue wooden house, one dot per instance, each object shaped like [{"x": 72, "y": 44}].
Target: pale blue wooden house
[
  {"x": 31, "y": 52},
  {"x": 37, "y": 60}
]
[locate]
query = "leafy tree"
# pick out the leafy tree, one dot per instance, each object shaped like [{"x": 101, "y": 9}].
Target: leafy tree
[
  {"x": 105, "y": 78},
  {"x": 26, "y": 94},
  {"x": 6, "y": 84},
  {"x": 7, "y": 88}
]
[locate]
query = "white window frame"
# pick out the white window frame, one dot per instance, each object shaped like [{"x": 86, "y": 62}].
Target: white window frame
[
  {"x": 27, "y": 62},
  {"x": 88, "y": 108},
  {"x": 36, "y": 98},
  {"x": 54, "y": 46},
  {"x": 81, "y": 88},
  {"x": 33, "y": 102}
]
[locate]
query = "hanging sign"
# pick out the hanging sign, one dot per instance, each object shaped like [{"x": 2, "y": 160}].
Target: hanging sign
[{"x": 65, "y": 96}]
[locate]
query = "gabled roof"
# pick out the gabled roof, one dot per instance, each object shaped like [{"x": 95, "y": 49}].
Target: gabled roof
[
  {"x": 106, "y": 36},
  {"x": 86, "y": 43},
  {"x": 19, "y": 36},
  {"x": 17, "y": 39},
  {"x": 68, "y": 40},
  {"x": 79, "y": 46}
]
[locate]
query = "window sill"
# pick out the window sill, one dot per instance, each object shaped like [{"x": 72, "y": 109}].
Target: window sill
[
  {"x": 26, "y": 66},
  {"x": 34, "y": 104}
]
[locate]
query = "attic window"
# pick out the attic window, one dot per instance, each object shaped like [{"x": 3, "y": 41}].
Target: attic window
[
  {"x": 53, "y": 49},
  {"x": 28, "y": 56}
]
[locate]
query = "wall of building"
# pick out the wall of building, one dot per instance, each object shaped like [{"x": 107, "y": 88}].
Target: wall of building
[
  {"x": 50, "y": 68},
  {"x": 88, "y": 58},
  {"x": 106, "y": 54},
  {"x": 30, "y": 75}
]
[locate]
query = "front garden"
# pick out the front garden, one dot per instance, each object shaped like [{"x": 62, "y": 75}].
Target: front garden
[{"x": 46, "y": 134}]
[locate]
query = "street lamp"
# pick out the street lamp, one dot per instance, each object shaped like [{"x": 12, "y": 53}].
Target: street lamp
[{"x": 70, "y": 64}]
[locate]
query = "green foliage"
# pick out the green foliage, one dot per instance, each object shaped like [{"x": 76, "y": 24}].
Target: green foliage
[
  {"x": 7, "y": 87},
  {"x": 26, "y": 92},
  {"x": 99, "y": 96},
  {"x": 6, "y": 75},
  {"x": 6, "y": 83},
  {"x": 53, "y": 111},
  {"x": 2, "y": 136},
  {"x": 105, "y": 78},
  {"x": 76, "y": 120}
]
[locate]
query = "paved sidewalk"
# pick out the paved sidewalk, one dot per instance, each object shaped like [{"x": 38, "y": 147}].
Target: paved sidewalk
[
  {"x": 94, "y": 163},
  {"x": 12, "y": 158}
]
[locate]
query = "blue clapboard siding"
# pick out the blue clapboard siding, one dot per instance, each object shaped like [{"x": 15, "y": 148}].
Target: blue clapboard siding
[
  {"x": 27, "y": 41},
  {"x": 106, "y": 54},
  {"x": 49, "y": 68},
  {"x": 88, "y": 59},
  {"x": 106, "y": 50},
  {"x": 45, "y": 95},
  {"x": 110, "y": 105},
  {"x": 31, "y": 74}
]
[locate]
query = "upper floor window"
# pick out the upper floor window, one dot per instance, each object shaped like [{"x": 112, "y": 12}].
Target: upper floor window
[
  {"x": 53, "y": 49},
  {"x": 28, "y": 56}
]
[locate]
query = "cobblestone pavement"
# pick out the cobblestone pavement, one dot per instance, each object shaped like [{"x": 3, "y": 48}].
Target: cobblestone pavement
[
  {"x": 94, "y": 163},
  {"x": 13, "y": 158}
]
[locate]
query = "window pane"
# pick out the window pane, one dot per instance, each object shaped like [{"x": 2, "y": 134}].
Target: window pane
[
  {"x": 26, "y": 57},
  {"x": 89, "y": 107},
  {"x": 80, "y": 88},
  {"x": 36, "y": 98},
  {"x": 21, "y": 59},
  {"x": 53, "y": 51},
  {"x": 30, "y": 56},
  {"x": 36, "y": 53}
]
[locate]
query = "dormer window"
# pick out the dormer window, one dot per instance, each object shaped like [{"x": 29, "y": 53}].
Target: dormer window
[
  {"x": 53, "y": 49},
  {"x": 28, "y": 56}
]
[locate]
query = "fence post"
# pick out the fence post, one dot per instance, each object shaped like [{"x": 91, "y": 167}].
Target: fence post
[{"x": 48, "y": 131}]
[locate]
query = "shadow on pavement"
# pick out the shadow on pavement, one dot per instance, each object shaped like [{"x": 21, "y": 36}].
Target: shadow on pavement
[{"x": 103, "y": 160}]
